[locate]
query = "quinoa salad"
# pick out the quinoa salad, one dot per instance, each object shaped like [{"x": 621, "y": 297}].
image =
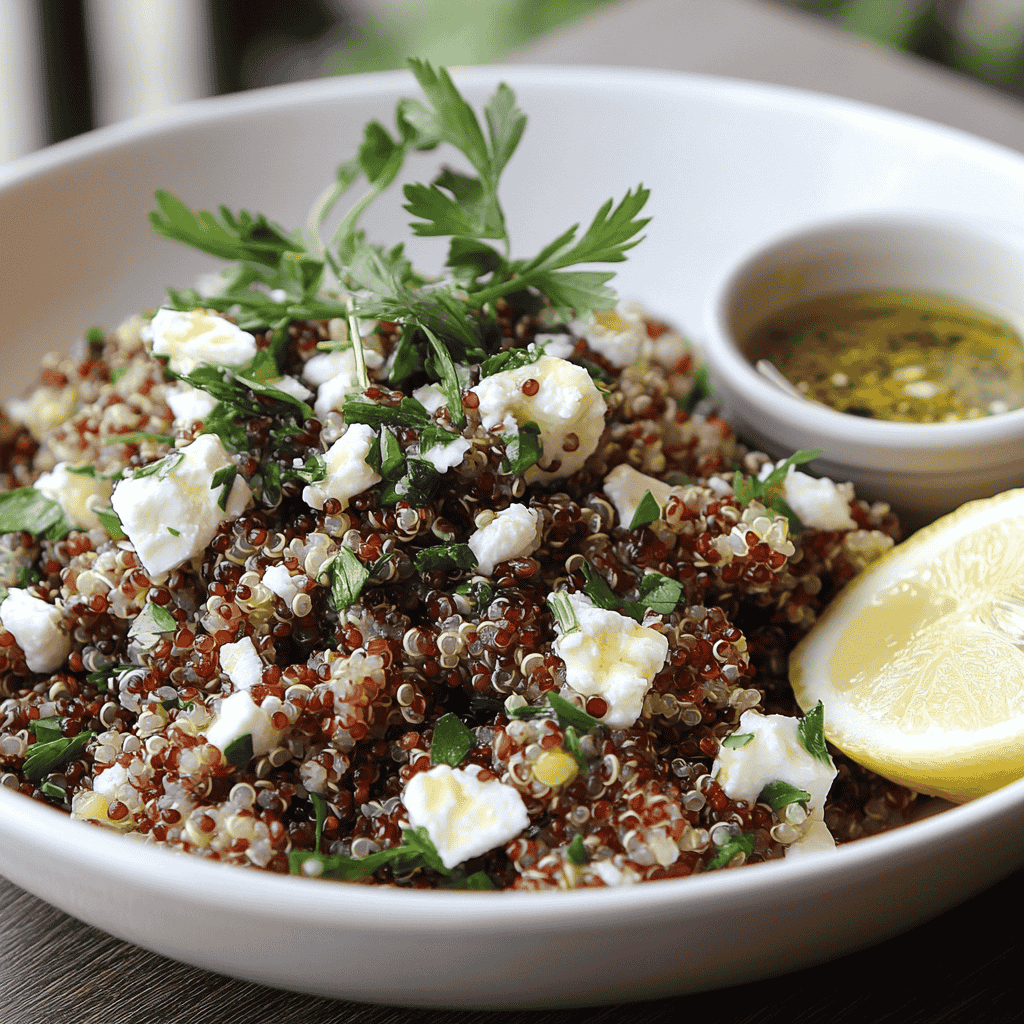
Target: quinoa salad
[{"x": 328, "y": 568}]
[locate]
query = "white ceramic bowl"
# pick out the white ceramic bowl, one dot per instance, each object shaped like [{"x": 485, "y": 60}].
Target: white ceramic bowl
[
  {"x": 729, "y": 164},
  {"x": 923, "y": 470}
]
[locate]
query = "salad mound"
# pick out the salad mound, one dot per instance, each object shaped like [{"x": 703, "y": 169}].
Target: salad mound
[{"x": 332, "y": 568}]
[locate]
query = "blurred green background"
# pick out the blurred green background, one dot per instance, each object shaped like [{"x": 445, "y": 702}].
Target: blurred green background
[{"x": 981, "y": 38}]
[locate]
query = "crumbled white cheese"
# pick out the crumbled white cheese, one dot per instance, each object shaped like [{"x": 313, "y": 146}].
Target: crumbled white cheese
[
  {"x": 347, "y": 471},
  {"x": 514, "y": 532},
  {"x": 189, "y": 404},
  {"x": 293, "y": 387},
  {"x": 46, "y": 408},
  {"x": 611, "y": 656},
  {"x": 612, "y": 875},
  {"x": 334, "y": 376},
  {"x": 446, "y": 456},
  {"x": 35, "y": 625},
  {"x": 431, "y": 397},
  {"x": 816, "y": 838},
  {"x": 820, "y": 503},
  {"x": 625, "y": 488},
  {"x": 560, "y": 346},
  {"x": 78, "y": 494},
  {"x": 110, "y": 780},
  {"x": 278, "y": 579},
  {"x": 240, "y": 715},
  {"x": 463, "y": 816},
  {"x": 775, "y": 754},
  {"x": 617, "y": 334},
  {"x": 567, "y": 407},
  {"x": 198, "y": 337},
  {"x": 172, "y": 514},
  {"x": 241, "y": 663}
]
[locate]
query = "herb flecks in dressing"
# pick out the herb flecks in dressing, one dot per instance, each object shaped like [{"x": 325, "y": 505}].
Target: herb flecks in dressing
[{"x": 906, "y": 357}]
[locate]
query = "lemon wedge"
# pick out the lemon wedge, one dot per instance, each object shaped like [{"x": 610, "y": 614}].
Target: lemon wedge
[{"x": 920, "y": 660}]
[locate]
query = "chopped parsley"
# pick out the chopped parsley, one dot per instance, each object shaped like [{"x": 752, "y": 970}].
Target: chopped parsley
[
  {"x": 769, "y": 490},
  {"x": 738, "y": 740},
  {"x": 26, "y": 509},
  {"x": 811, "y": 732},
  {"x": 780, "y": 794},
  {"x": 452, "y": 741},
  {"x": 43, "y": 758},
  {"x": 741, "y": 843},
  {"x": 648, "y": 511},
  {"x": 239, "y": 752},
  {"x": 445, "y": 556}
]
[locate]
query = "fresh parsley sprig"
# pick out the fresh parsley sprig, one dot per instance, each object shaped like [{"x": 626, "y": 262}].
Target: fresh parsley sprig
[{"x": 769, "y": 490}]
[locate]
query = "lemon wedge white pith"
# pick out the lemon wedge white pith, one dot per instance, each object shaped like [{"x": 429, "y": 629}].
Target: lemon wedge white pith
[{"x": 920, "y": 660}]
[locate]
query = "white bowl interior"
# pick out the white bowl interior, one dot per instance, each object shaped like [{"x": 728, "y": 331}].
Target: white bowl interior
[{"x": 728, "y": 164}]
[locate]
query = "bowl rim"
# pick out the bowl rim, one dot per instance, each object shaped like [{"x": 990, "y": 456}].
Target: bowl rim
[
  {"x": 117, "y": 857},
  {"x": 829, "y": 425}
]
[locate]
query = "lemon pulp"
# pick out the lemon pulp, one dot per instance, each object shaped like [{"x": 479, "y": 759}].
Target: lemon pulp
[{"x": 920, "y": 660}]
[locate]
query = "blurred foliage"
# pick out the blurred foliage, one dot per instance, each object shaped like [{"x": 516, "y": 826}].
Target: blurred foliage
[
  {"x": 449, "y": 31},
  {"x": 981, "y": 38}
]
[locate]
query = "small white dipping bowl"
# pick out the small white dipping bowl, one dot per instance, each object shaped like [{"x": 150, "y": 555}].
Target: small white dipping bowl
[{"x": 923, "y": 470}]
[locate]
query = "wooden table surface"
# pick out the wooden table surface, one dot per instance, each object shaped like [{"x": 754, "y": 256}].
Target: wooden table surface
[{"x": 961, "y": 967}]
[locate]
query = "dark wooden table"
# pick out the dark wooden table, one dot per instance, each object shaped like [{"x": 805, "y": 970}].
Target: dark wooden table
[{"x": 961, "y": 967}]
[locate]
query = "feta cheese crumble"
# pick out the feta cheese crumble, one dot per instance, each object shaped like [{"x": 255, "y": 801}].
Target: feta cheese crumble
[
  {"x": 189, "y": 404},
  {"x": 566, "y": 405},
  {"x": 78, "y": 494},
  {"x": 278, "y": 579},
  {"x": 240, "y": 715},
  {"x": 611, "y": 656},
  {"x": 334, "y": 376},
  {"x": 775, "y": 754},
  {"x": 626, "y": 487},
  {"x": 241, "y": 663},
  {"x": 172, "y": 514},
  {"x": 35, "y": 625},
  {"x": 198, "y": 337},
  {"x": 820, "y": 503},
  {"x": 463, "y": 816},
  {"x": 617, "y": 334},
  {"x": 514, "y": 532},
  {"x": 347, "y": 471},
  {"x": 446, "y": 456}
]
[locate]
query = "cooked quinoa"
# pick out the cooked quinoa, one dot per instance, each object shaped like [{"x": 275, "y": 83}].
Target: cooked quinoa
[{"x": 511, "y": 617}]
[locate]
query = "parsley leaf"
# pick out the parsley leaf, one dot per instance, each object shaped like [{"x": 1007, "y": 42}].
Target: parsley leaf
[
  {"x": 742, "y": 843},
  {"x": 239, "y": 752},
  {"x": 811, "y": 732},
  {"x": 348, "y": 576},
  {"x": 523, "y": 449},
  {"x": 46, "y": 729},
  {"x": 445, "y": 556},
  {"x": 769, "y": 490},
  {"x": 570, "y": 716},
  {"x": 111, "y": 522},
  {"x": 648, "y": 511},
  {"x": 779, "y": 794},
  {"x": 42, "y": 758},
  {"x": 415, "y": 853},
  {"x": 576, "y": 851},
  {"x": 738, "y": 740},
  {"x": 573, "y": 746},
  {"x": 150, "y": 623},
  {"x": 30, "y": 510},
  {"x": 452, "y": 741}
]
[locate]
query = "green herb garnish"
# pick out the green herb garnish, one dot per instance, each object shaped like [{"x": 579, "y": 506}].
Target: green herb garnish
[
  {"x": 779, "y": 794},
  {"x": 648, "y": 511},
  {"x": 30, "y": 510},
  {"x": 769, "y": 490},
  {"x": 571, "y": 716},
  {"x": 42, "y": 758},
  {"x": 445, "y": 556},
  {"x": 46, "y": 729},
  {"x": 811, "y": 731},
  {"x": 742, "y": 843},
  {"x": 573, "y": 746},
  {"x": 152, "y": 621},
  {"x": 416, "y": 853},
  {"x": 452, "y": 741},
  {"x": 522, "y": 449},
  {"x": 738, "y": 740},
  {"x": 239, "y": 752},
  {"x": 577, "y": 852},
  {"x": 111, "y": 522}
]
